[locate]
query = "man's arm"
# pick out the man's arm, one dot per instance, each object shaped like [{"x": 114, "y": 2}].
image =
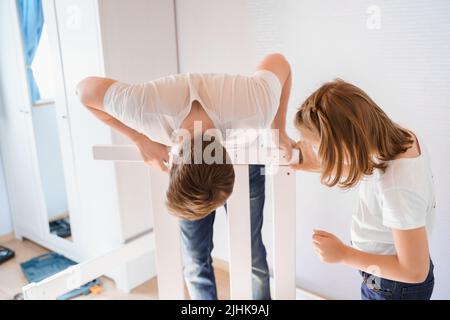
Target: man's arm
[
  {"x": 277, "y": 64},
  {"x": 91, "y": 92}
]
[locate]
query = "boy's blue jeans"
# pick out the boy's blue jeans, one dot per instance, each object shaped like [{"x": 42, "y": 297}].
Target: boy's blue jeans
[{"x": 197, "y": 244}]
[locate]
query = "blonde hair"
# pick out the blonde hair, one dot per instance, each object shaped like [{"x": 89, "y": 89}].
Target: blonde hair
[{"x": 356, "y": 136}]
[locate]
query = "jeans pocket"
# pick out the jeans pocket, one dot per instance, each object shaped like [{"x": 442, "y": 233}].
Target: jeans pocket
[
  {"x": 374, "y": 293},
  {"x": 421, "y": 291}
]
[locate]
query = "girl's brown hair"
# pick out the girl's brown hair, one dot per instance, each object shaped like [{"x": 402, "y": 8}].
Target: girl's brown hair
[{"x": 356, "y": 136}]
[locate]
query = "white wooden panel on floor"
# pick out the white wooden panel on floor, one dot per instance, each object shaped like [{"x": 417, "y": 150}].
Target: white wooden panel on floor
[
  {"x": 238, "y": 208},
  {"x": 284, "y": 211},
  {"x": 167, "y": 240},
  {"x": 79, "y": 274}
]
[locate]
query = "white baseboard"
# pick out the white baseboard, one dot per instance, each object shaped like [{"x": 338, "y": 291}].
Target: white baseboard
[{"x": 300, "y": 294}]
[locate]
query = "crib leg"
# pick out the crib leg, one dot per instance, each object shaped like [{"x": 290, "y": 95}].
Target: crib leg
[
  {"x": 284, "y": 212},
  {"x": 238, "y": 208},
  {"x": 167, "y": 240}
]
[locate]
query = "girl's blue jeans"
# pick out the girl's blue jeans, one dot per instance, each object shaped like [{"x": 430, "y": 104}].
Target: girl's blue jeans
[{"x": 376, "y": 288}]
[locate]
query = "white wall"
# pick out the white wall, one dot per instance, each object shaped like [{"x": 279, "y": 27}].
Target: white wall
[
  {"x": 5, "y": 213},
  {"x": 403, "y": 65}
]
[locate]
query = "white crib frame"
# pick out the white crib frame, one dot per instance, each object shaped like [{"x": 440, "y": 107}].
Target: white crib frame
[{"x": 165, "y": 236}]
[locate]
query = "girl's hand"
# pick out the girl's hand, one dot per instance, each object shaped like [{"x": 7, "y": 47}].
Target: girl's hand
[
  {"x": 308, "y": 158},
  {"x": 153, "y": 153},
  {"x": 328, "y": 247}
]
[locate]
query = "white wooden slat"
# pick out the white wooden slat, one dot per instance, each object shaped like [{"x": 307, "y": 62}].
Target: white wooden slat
[
  {"x": 167, "y": 240},
  {"x": 238, "y": 211},
  {"x": 130, "y": 153},
  {"x": 284, "y": 212},
  {"x": 122, "y": 153}
]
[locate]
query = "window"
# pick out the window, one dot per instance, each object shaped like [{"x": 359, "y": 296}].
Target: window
[
  {"x": 43, "y": 68},
  {"x": 37, "y": 53}
]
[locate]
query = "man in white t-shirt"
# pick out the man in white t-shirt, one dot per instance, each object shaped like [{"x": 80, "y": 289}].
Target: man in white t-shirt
[{"x": 152, "y": 114}]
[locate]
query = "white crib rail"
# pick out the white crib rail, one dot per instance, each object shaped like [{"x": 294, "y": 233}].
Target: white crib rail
[{"x": 167, "y": 234}]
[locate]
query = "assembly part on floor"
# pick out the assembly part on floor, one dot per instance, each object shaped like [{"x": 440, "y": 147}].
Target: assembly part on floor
[{"x": 5, "y": 254}]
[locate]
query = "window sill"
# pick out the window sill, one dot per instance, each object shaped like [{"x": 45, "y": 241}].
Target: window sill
[{"x": 43, "y": 103}]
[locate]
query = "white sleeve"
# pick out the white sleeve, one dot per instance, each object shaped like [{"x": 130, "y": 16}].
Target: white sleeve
[
  {"x": 273, "y": 91},
  {"x": 403, "y": 209},
  {"x": 130, "y": 103},
  {"x": 124, "y": 102}
]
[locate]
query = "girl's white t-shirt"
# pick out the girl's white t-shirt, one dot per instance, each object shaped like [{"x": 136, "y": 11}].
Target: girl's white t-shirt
[{"x": 402, "y": 198}]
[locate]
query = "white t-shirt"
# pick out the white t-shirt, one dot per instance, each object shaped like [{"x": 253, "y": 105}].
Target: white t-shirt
[
  {"x": 401, "y": 198},
  {"x": 157, "y": 108}
]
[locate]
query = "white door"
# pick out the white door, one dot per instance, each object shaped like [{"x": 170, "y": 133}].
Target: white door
[
  {"x": 16, "y": 132},
  {"x": 63, "y": 127},
  {"x": 21, "y": 177}
]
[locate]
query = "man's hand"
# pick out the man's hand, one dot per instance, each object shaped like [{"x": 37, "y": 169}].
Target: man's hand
[
  {"x": 328, "y": 247},
  {"x": 285, "y": 144},
  {"x": 309, "y": 161},
  {"x": 153, "y": 153}
]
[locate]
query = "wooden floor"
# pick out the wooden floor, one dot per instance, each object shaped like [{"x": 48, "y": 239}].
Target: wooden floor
[{"x": 12, "y": 278}]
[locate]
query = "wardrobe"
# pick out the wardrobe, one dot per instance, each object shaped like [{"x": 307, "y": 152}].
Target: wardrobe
[{"x": 47, "y": 146}]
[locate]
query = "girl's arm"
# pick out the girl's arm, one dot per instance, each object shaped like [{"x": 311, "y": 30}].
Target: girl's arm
[{"x": 410, "y": 264}]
